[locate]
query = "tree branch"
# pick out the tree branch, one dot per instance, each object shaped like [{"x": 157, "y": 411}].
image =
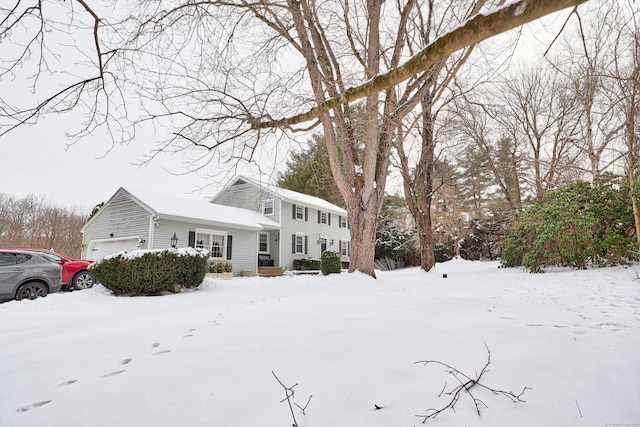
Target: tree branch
[
  {"x": 476, "y": 29},
  {"x": 466, "y": 384}
]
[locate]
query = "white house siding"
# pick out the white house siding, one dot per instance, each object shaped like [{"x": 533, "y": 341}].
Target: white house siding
[
  {"x": 244, "y": 244},
  {"x": 119, "y": 219},
  {"x": 312, "y": 230},
  {"x": 248, "y": 196}
]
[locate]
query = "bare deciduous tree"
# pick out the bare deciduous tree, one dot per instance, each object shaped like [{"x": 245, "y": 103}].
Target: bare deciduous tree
[
  {"x": 35, "y": 222},
  {"x": 224, "y": 76}
]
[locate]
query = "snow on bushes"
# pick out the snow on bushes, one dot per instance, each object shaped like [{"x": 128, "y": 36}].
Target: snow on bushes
[{"x": 151, "y": 271}]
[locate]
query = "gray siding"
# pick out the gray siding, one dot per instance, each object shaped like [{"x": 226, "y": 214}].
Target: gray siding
[
  {"x": 248, "y": 196},
  {"x": 244, "y": 247},
  {"x": 121, "y": 218}
]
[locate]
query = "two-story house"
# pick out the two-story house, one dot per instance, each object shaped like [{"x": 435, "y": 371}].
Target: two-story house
[
  {"x": 308, "y": 225},
  {"x": 251, "y": 224}
]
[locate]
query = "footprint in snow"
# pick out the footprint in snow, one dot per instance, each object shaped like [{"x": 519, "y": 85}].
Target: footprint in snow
[
  {"x": 66, "y": 383},
  {"x": 33, "y": 406},
  {"x": 161, "y": 352},
  {"x": 126, "y": 361},
  {"x": 155, "y": 344},
  {"x": 114, "y": 373}
]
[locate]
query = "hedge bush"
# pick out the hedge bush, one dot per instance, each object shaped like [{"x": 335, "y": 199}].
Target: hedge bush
[
  {"x": 330, "y": 262},
  {"x": 148, "y": 272},
  {"x": 306, "y": 264},
  {"x": 221, "y": 267}
]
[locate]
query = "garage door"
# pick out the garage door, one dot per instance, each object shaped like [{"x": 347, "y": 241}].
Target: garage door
[{"x": 98, "y": 249}]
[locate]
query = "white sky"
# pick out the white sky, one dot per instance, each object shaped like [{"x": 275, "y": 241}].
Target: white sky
[{"x": 37, "y": 160}]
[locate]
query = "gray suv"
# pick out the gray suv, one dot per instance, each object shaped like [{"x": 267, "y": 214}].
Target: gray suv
[{"x": 27, "y": 275}]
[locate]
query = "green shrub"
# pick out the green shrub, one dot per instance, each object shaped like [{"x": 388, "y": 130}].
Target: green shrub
[
  {"x": 330, "y": 262},
  {"x": 574, "y": 226},
  {"x": 151, "y": 271},
  {"x": 306, "y": 264},
  {"x": 220, "y": 267}
]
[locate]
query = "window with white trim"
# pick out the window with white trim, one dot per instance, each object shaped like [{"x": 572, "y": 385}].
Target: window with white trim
[
  {"x": 212, "y": 240},
  {"x": 300, "y": 243},
  {"x": 343, "y": 221},
  {"x": 345, "y": 247},
  {"x": 267, "y": 207},
  {"x": 323, "y": 218},
  {"x": 300, "y": 213},
  {"x": 263, "y": 242}
]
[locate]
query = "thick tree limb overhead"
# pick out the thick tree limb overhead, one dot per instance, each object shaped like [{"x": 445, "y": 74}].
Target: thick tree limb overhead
[{"x": 475, "y": 30}]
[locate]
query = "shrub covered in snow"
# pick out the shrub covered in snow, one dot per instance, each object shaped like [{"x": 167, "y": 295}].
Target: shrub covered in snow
[
  {"x": 330, "y": 262},
  {"x": 220, "y": 267},
  {"x": 151, "y": 271}
]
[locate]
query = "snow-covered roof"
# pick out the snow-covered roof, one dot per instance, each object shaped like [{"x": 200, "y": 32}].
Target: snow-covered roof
[
  {"x": 176, "y": 207},
  {"x": 295, "y": 197}
]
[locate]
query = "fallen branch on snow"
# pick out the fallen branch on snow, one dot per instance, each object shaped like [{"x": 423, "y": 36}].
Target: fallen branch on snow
[
  {"x": 289, "y": 396},
  {"x": 466, "y": 384}
]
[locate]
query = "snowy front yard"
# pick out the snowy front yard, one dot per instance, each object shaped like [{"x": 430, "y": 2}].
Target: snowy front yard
[{"x": 205, "y": 357}]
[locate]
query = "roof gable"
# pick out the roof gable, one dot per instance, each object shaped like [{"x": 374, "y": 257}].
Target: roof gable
[
  {"x": 289, "y": 195},
  {"x": 185, "y": 209}
]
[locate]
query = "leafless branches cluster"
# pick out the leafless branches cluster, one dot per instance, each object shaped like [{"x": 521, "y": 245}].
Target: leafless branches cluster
[
  {"x": 216, "y": 79},
  {"x": 33, "y": 221},
  {"x": 465, "y": 384}
]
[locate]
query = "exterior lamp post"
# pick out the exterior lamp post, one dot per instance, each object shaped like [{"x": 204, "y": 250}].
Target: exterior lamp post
[{"x": 174, "y": 240}]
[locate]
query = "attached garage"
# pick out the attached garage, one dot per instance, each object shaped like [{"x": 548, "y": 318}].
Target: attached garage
[{"x": 98, "y": 249}]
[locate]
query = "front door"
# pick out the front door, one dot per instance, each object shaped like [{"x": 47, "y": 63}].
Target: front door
[{"x": 323, "y": 245}]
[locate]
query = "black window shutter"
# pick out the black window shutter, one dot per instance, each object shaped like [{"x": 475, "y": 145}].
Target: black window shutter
[
  {"x": 340, "y": 247},
  {"x": 319, "y": 217},
  {"x": 329, "y": 218},
  {"x": 293, "y": 243},
  {"x": 306, "y": 244},
  {"x": 229, "y": 244},
  {"x": 306, "y": 214},
  {"x": 192, "y": 239},
  {"x": 294, "y": 212},
  {"x": 339, "y": 221}
]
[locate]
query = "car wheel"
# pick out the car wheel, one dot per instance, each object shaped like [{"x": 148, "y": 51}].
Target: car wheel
[
  {"x": 31, "y": 290},
  {"x": 83, "y": 280}
]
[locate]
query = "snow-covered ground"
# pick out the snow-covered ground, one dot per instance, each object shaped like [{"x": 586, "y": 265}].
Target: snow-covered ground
[{"x": 205, "y": 357}]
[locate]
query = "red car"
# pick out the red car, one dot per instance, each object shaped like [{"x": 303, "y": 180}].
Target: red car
[{"x": 74, "y": 271}]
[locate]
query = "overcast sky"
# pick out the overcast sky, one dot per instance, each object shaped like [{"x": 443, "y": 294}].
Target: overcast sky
[{"x": 37, "y": 160}]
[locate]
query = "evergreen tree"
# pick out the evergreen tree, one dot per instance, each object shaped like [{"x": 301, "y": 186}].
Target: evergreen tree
[{"x": 308, "y": 172}]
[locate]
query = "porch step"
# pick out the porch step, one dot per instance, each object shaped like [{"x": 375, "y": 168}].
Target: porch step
[{"x": 270, "y": 271}]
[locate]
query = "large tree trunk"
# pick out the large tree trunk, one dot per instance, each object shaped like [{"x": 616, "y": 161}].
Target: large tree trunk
[{"x": 363, "y": 239}]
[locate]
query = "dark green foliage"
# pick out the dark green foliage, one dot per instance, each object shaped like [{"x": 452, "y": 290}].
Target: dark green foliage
[
  {"x": 309, "y": 172},
  {"x": 575, "y": 226},
  {"x": 151, "y": 272},
  {"x": 487, "y": 237},
  {"x": 306, "y": 264},
  {"x": 444, "y": 251},
  {"x": 394, "y": 239},
  {"x": 330, "y": 262}
]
